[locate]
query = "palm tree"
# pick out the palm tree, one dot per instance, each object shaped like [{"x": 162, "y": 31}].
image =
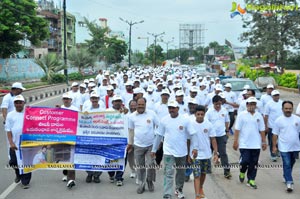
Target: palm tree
[
  {"x": 81, "y": 58},
  {"x": 50, "y": 64}
]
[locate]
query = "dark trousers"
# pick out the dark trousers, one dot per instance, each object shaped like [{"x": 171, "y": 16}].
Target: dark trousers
[
  {"x": 249, "y": 161},
  {"x": 25, "y": 178},
  {"x": 221, "y": 142},
  {"x": 159, "y": 154},
  {"x": 118, "y": 174},
  {"x": 270, "y": 135},
  {"x": 232, "y": 119}
]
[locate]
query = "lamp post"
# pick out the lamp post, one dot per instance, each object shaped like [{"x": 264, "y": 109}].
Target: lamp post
[
  {"x": 130, "y": 23},
  {"x": 65, "y": 42},
  {"x": 147, "y": 43},
  {"x": 167, "y": 44},
  {"x": 155, "y": 38}
]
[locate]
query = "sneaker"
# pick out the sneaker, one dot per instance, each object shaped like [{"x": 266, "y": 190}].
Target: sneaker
[
  {"x": 97, "y": 179},
  {"x": 179, "y": 193},
  {"x": 242, "y": 177},
  {"x": 119, "y": 183},
  {"x": 64, "y": 179},
  {"x": 88, "y": 178},
  {"x": 137, "y": 181},
  {"x": 17, "y": 179},
  {"x": 231, "y": 132},
  {"x": 274, "y": 159},
  {"x": 112, "y": 179},
  {"x": 70, "y": 184},
  {"x": 167, "y": 196},
  {"x": 132, "y": 175},
  {"x": 289, "y": 187},
  {"x": 186, "y": 178},
  {"x": 141, "y": 188},
  {"x": 25, "y": 186},
  {"x": 251, "y": 183},
  {"x": 227, "y": 175},
  {"x": 150, "y": 186}
]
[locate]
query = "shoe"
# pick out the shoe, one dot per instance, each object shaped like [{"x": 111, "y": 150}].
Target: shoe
[
  {"x": 88, "y": 178},
  {"x": 228, "y": 175},
  {"x": 25, "y": 186},
  {"x": 70, "y": 184},
  {"x": 289, "y": 187},
  {"x": 186, "y": 178},
  {"x": 119, "y": 183},
  {"x": 112, "y": 179},
  {"x": 64, "y": 179},
  {"x": 17, "y": 179},
  {"x": 132, "y": 175},
  {"x": 97, "y": 179},
  {"x": 231, "y": 131},
  {"x": 167, "y": 196},
  {"x": 179, "y": 193},
  {"x": 136, "y": 181},
  {"x": 274, "y": 159},
  {"x": 251, "y": 183},
  {"x": 141, "y": 188},
  {"x": 150, "y": 186},
  {"x": 242, "y": 177}
]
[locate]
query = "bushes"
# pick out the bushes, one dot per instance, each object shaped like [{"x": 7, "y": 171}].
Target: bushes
[
  {"x": 56, "y": 78},
  {"x": 75, "y": 76},
  {"x": 288, "y": 80}
]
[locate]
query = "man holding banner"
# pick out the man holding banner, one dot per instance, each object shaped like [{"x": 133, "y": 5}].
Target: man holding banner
[{"x": 13, "y": 127}]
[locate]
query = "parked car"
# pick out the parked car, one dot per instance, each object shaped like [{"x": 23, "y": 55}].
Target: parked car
[
  {"x": 262, "y": 82},
  {"x": 88, "y": 71},
  {"x": 239, "y": 83}
]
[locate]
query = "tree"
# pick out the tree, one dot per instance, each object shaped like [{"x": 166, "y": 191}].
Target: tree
[
  {"x": 137, "y": 58},
  {"x": 50, "y": 64},
  {"x": 158, "y": 53},
  {"x": 271, "y": 32},
  {"x": 81, "y": 58},
  {"x": 115, "y": 50},
  {"x": 18, "y": 21}
]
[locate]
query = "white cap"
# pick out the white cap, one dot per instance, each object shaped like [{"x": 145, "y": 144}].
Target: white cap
[
  {"x": 91, "y": 80},
  {"x": 113, "y": 82},
  {"x": 138, "y": 90},
  {"x": 106, "y": 73},
  {"x": 246, "y": 86},
  {"x": 86, "y": 81},
  {"x": 150, "y": 88},
  {"x": 67, "y": 95},
  {"x": 179, "y": 93},
  {"x": 275, "y": 92},
  {"x": 202, "y": 84},
  {"x": 74, "y": 84},
  {"x": 94, "y": 94},
  {"x": 128, "y": 83},
  {"x": 91, "y": 84},
  {"x": 218, "y": 87},
  {"x": 251, "y": 99},
  {"x": 194, "y": 89},
  {"x": 117, "y": 97},
  {"x": 228, "y": 85},
  {"x": 18, "y": 85},
  {"x": 136, "y": 80},
  {"x": 109, "y": 88},
  {"x": 159, "y": 83},
  {"x": 194, "y": 80},
  {"x": 82, "y": 85},
  {"x": 222, "y": 95},
  {"x": 192, "y": 101},
  {"x": 244, "y": 92},
  {"x": 177, "y": 86},
  {"x": 165, "y": 91},
  {"x": 270, "y": 86},
  {"x": 173, "y": 103},
  {"x": 19, "y": 98}
]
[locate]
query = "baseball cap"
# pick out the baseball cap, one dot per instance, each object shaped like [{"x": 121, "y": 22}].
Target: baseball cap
[
  {"x": 109, "y": 88},
  {"x": 113, "y": 82},
  {"x": 193, "y": 80},
  {"x": 91, "y": 84},
  {"x": 82, "y": 85},
  {"x": 222, "y": 95},
  {"x": 251, "y": 99},
  {"x": 192, "y": 101},
  {"x": 194, "y": 89},
  {"x": 228, "y": 85},
  {"x": 106, "y": 73},
  {"x": 172, "y": 103},
  {"x": 138, "y": 90},
  {"x": 275, "y": 92},
  {"x": 128, "y": 83},
  {"x": 219, "y": 88},
  {"x": 179, "y": 93},
  {"x": 94, "y": 94},
  {"x": 117, "y": 97},
  {"x": 91, "y": 80},
  {"x": 66, "y": 95},
  {"x": 74, "y": 84},
  {"x": 244, "y": 92},
  {"x": 150, "y": 88},
  {"x": 246, "y": 86},
  {"x": 19, "y": 98},
  {"x": 86, "y": 81},
  {"x": 270, "y": 86},
  {"x": 18, "y": 85},
  {"x": 165, "y": 91}
]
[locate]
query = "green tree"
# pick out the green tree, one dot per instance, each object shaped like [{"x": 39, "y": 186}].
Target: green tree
[
  {"x": 115, "y": 50},
  {"x": 18, "y": 21},
  {"x": 271, "y": 32},
  {"x": 137, "y": 58},
  {"x": 50, "y": 64},
  {"x": 81, "y": 58},
  {"x": 158, "y": 53}
]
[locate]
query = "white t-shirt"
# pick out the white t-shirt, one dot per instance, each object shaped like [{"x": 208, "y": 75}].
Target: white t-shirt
[
  {"x": 298, "y": 109},
  {"x": 265, "y": 99},
  {"x": 175, "y": 132},
  {"x": 14, "y": 123},
  {"x": 183, "y": 108},
  {"x": 230, "y": 97},
  {"x": 287, "y": 129},
  {"x": 250, "y": 127},
  {"x": 243, "y": 107},
  {"x": 218, "y": 120},
  {"x": 39, "y": 158},
  {"x": 8, "y": 102},
  {"x": 161, "y": 109},
  {"x": 76, "y": 99},
  {"x": 204, "y": 132},
  {"x": 90, "y": 109},
  {"x": 74, "y": 108},
  {"x": 273, "y": 110},
  {"x": 143, "y": 125}
]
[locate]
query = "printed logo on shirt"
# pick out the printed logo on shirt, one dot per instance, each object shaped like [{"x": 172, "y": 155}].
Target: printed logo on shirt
[
  {"x": 296, "y": 123},
  {"x": 222, "y": 115},
  {"x": 205, "y": 130},
  {"x": 148, "y": 121},
  {"x": 257, "y": 120},
  {"x": 181, "y": 128},
  {"x": 185, "y": 110}
]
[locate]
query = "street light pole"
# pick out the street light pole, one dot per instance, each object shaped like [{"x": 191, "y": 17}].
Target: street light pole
[
  {"x": 147, "y": 43},
  {"x": 65, "y": 42},
  {"x": 167, "y": 44},
  {"x": 129, "y": 46},
  {"x": 155, "y": 37}
]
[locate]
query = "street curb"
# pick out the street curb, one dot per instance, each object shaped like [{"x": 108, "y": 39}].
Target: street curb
[
  {"x": 288, "y": 89},
  {"x": 45, "y": 95}
]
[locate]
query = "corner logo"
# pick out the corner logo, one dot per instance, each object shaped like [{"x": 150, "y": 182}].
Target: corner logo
[{"x": 236, "y": 10}]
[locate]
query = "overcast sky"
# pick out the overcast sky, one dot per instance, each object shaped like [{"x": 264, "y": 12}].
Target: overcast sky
[{"x": 164, "y": 16}]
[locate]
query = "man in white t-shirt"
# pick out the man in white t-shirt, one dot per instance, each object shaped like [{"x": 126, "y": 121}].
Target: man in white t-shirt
[
  {"x": 267, "y": 97},
  {"x": 76, "y": 96},
  {"x": 141, "y": 126},
  {"x": 175, "y": 129},
  {"x": 273, "y": 110},
  {"x": 286, "y": 132},
  {"x": 230, "y": 104},
  {"x": 249, "y": 138}
]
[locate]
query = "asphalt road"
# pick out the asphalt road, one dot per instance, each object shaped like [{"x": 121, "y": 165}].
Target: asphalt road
[{"x": 47, "y": 184}]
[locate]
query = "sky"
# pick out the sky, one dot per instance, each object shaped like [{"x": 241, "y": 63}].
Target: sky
[{"x": 164, "y": 16}]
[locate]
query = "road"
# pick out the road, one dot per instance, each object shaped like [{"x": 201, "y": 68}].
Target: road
[{"x": 47, "y": 184}]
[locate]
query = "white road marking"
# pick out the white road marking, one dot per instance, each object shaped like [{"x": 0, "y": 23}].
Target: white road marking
[{"x": 8, "y": 190}]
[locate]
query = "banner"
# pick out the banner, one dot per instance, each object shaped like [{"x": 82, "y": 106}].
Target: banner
[{"x": 55, "y": 138}]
